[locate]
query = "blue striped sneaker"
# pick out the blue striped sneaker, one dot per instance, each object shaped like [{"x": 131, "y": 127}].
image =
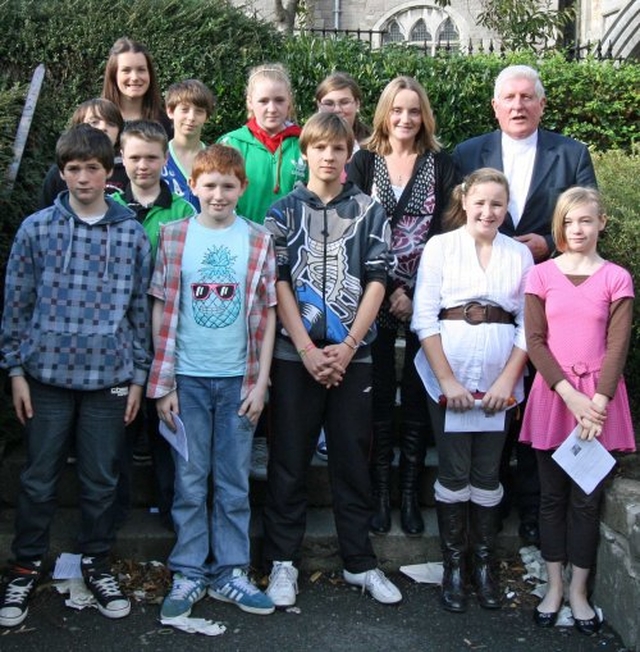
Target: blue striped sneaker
[
  {"x": 240, "y": 591},
  {"x": 183, "y": 595}
]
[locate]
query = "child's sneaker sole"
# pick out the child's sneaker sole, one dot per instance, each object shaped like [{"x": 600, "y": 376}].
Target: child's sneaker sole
[
  {"x": 115, "y": 611},
  {"x": 12, "y": 616}
]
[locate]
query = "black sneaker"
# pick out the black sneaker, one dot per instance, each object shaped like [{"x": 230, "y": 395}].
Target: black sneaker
[
  {"x": 19, "y": 582},
  {"x": 99, "y": 579}
]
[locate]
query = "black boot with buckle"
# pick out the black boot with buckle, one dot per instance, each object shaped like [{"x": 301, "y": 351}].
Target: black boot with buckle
[{"x": 452, "y": 523}]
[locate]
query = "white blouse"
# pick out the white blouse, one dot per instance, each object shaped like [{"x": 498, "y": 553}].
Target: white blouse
[{"x": 450, "y": 275}]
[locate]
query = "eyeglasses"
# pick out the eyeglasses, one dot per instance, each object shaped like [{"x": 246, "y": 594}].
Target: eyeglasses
[
  {"x": 224, "y": 291},
  {"x": 342, "y": 104}
]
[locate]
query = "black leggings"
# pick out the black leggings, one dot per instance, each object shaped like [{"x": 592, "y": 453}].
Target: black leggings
[{"x": 569, "y": 518}]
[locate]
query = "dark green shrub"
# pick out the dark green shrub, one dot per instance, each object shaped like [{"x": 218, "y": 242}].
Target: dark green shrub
[
  {"x": 618, "y": 176},
  {"x": 597, "y": 102}
]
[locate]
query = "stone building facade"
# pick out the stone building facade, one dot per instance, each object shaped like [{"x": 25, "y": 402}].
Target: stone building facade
[{"x": 615, "y": 23}]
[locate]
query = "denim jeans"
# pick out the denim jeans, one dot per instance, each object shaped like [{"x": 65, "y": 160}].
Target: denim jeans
[
  {"x": 97, "y": 420},
  {"x": 211, "y": 542}
]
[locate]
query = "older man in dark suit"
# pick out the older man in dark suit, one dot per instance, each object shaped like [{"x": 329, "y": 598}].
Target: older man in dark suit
[{"x": 539, "y": 165}]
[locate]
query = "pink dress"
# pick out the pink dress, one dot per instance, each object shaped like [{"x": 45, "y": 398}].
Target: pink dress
[{"x": 577, "y": 318}]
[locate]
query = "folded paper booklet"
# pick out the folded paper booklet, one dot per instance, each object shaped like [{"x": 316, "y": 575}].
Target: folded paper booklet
[
  {"x": 586, "y": 462},
  {"x": 177, "y": 438}
]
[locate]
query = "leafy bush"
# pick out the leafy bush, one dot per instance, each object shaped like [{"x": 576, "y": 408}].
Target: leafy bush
[
  {"x": 213, "y": 41},
  {"x": 596, "y": 102},
  {"x": 618, "y": 176}
]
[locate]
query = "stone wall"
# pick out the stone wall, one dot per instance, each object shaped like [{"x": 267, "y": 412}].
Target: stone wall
[{"x": 617, "y": 581}]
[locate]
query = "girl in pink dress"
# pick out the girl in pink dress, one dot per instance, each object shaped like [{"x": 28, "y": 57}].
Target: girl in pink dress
[{"x": 578, "y": 313}]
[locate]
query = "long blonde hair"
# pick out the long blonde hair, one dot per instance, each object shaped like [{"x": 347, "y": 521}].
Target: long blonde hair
[{"x": 425, "y": 140}]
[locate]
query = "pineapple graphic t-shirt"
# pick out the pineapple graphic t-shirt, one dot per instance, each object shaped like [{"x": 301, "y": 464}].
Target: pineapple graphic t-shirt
[{"x": 211, "y": 338}]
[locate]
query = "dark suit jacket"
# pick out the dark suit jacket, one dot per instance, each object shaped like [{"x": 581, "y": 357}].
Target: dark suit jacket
[{"x": 560, "y": 163}]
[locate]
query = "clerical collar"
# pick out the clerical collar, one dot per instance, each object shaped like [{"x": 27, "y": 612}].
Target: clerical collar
[{"x": 520, "y": 143}]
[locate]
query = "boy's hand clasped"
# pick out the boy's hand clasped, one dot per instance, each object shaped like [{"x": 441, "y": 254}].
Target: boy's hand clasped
[{"x": 328, "y": 365}]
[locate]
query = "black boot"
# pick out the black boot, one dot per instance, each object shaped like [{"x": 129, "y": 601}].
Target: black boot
[
  {"x": 452, "y": 523},
  {"x": 484, "y": 527},
  {"x": 380, "y": 473},
  {"x": 413, "y": 448}
]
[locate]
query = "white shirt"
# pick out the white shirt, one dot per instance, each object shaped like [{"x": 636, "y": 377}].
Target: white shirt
[
  {"x": 450, "y": 275},
  {"x": 518, "y": 158}
]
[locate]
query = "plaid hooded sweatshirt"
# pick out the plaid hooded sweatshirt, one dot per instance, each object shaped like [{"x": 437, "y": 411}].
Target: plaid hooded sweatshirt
[{"x": 76, "y": 311}]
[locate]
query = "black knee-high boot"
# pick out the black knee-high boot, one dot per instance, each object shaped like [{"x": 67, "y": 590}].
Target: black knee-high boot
[
  {"x": 452, "y": 523},
  {"x": 413, "y": 448},
  {"x": 484, "y": 523},
  {"x": 380, "y": 474}
]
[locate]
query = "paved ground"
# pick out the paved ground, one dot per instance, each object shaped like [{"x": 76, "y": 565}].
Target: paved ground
[{"x": 332, "y": 617}]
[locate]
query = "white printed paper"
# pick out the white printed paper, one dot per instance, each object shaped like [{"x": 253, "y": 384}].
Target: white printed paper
[
  {"x": 586, "y": 462},
  {"x": 177, "y": 438},
  {"x": 474, "y": 420},
  {"x": 67, "y": 567}
]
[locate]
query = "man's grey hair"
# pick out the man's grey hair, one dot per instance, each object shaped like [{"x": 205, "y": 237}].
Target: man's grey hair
[{"x": 518, "y": 72}]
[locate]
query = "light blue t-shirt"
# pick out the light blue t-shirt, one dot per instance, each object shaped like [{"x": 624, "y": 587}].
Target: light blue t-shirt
[{"x": 212, "y": 337}]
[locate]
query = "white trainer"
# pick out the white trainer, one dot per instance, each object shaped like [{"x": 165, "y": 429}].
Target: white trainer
[
  {"x": 283, "y": 584},
  {"x": 376, "y": 582}
]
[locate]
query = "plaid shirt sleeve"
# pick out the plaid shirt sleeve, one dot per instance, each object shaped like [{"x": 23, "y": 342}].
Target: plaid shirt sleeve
[{"x": 165, "y": 286}]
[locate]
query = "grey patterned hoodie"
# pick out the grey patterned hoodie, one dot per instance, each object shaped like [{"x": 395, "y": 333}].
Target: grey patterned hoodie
[{"x": 76, "y": 312}]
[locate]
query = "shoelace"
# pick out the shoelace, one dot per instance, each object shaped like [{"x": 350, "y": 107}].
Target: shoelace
[
  {"x": 283, "y": 575},
  {"x": 182, "y": 588},
  {"x": 107, "y": 585},
  {"x": 373, "y": 578},
  {"x": 242, "y": 583},
  {"x": 18, "y": 589}
]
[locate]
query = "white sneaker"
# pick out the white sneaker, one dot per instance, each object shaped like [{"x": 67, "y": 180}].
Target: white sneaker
[
  {"x": 375, "y": 581},
  {"x": 283, "y": 584}
]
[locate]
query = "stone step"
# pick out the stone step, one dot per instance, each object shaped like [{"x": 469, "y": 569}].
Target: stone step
[
  {"x": 142, "y": 494},
  {"x": 142, "y": 538}
]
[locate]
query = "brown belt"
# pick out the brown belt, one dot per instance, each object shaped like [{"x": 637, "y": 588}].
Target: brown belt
[{"x": 475, "y": 313}]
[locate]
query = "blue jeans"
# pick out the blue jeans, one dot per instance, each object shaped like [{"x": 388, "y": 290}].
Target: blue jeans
[
  {"x": 212, "y": 542},
  {"x": 97, "y": 420}
]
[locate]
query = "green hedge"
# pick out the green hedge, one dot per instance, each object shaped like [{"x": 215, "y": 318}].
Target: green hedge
[
  {"x": 597, "y": 102},
  {"x": 618, "y": 176}
]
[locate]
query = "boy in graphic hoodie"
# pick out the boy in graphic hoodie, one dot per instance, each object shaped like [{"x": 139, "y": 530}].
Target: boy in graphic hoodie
[
  {"x": 332, "y": 245},
  {"x": 76, "y": 341}
]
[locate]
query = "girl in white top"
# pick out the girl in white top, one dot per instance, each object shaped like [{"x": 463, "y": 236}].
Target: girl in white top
[{"x": 468, "y": 315}]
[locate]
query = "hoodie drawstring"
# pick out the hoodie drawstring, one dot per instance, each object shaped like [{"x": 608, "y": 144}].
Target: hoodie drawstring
[{"x": 67, "y": 254}]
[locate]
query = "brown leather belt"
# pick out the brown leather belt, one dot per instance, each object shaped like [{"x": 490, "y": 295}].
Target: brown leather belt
[{"x": 475, "y": 313}]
